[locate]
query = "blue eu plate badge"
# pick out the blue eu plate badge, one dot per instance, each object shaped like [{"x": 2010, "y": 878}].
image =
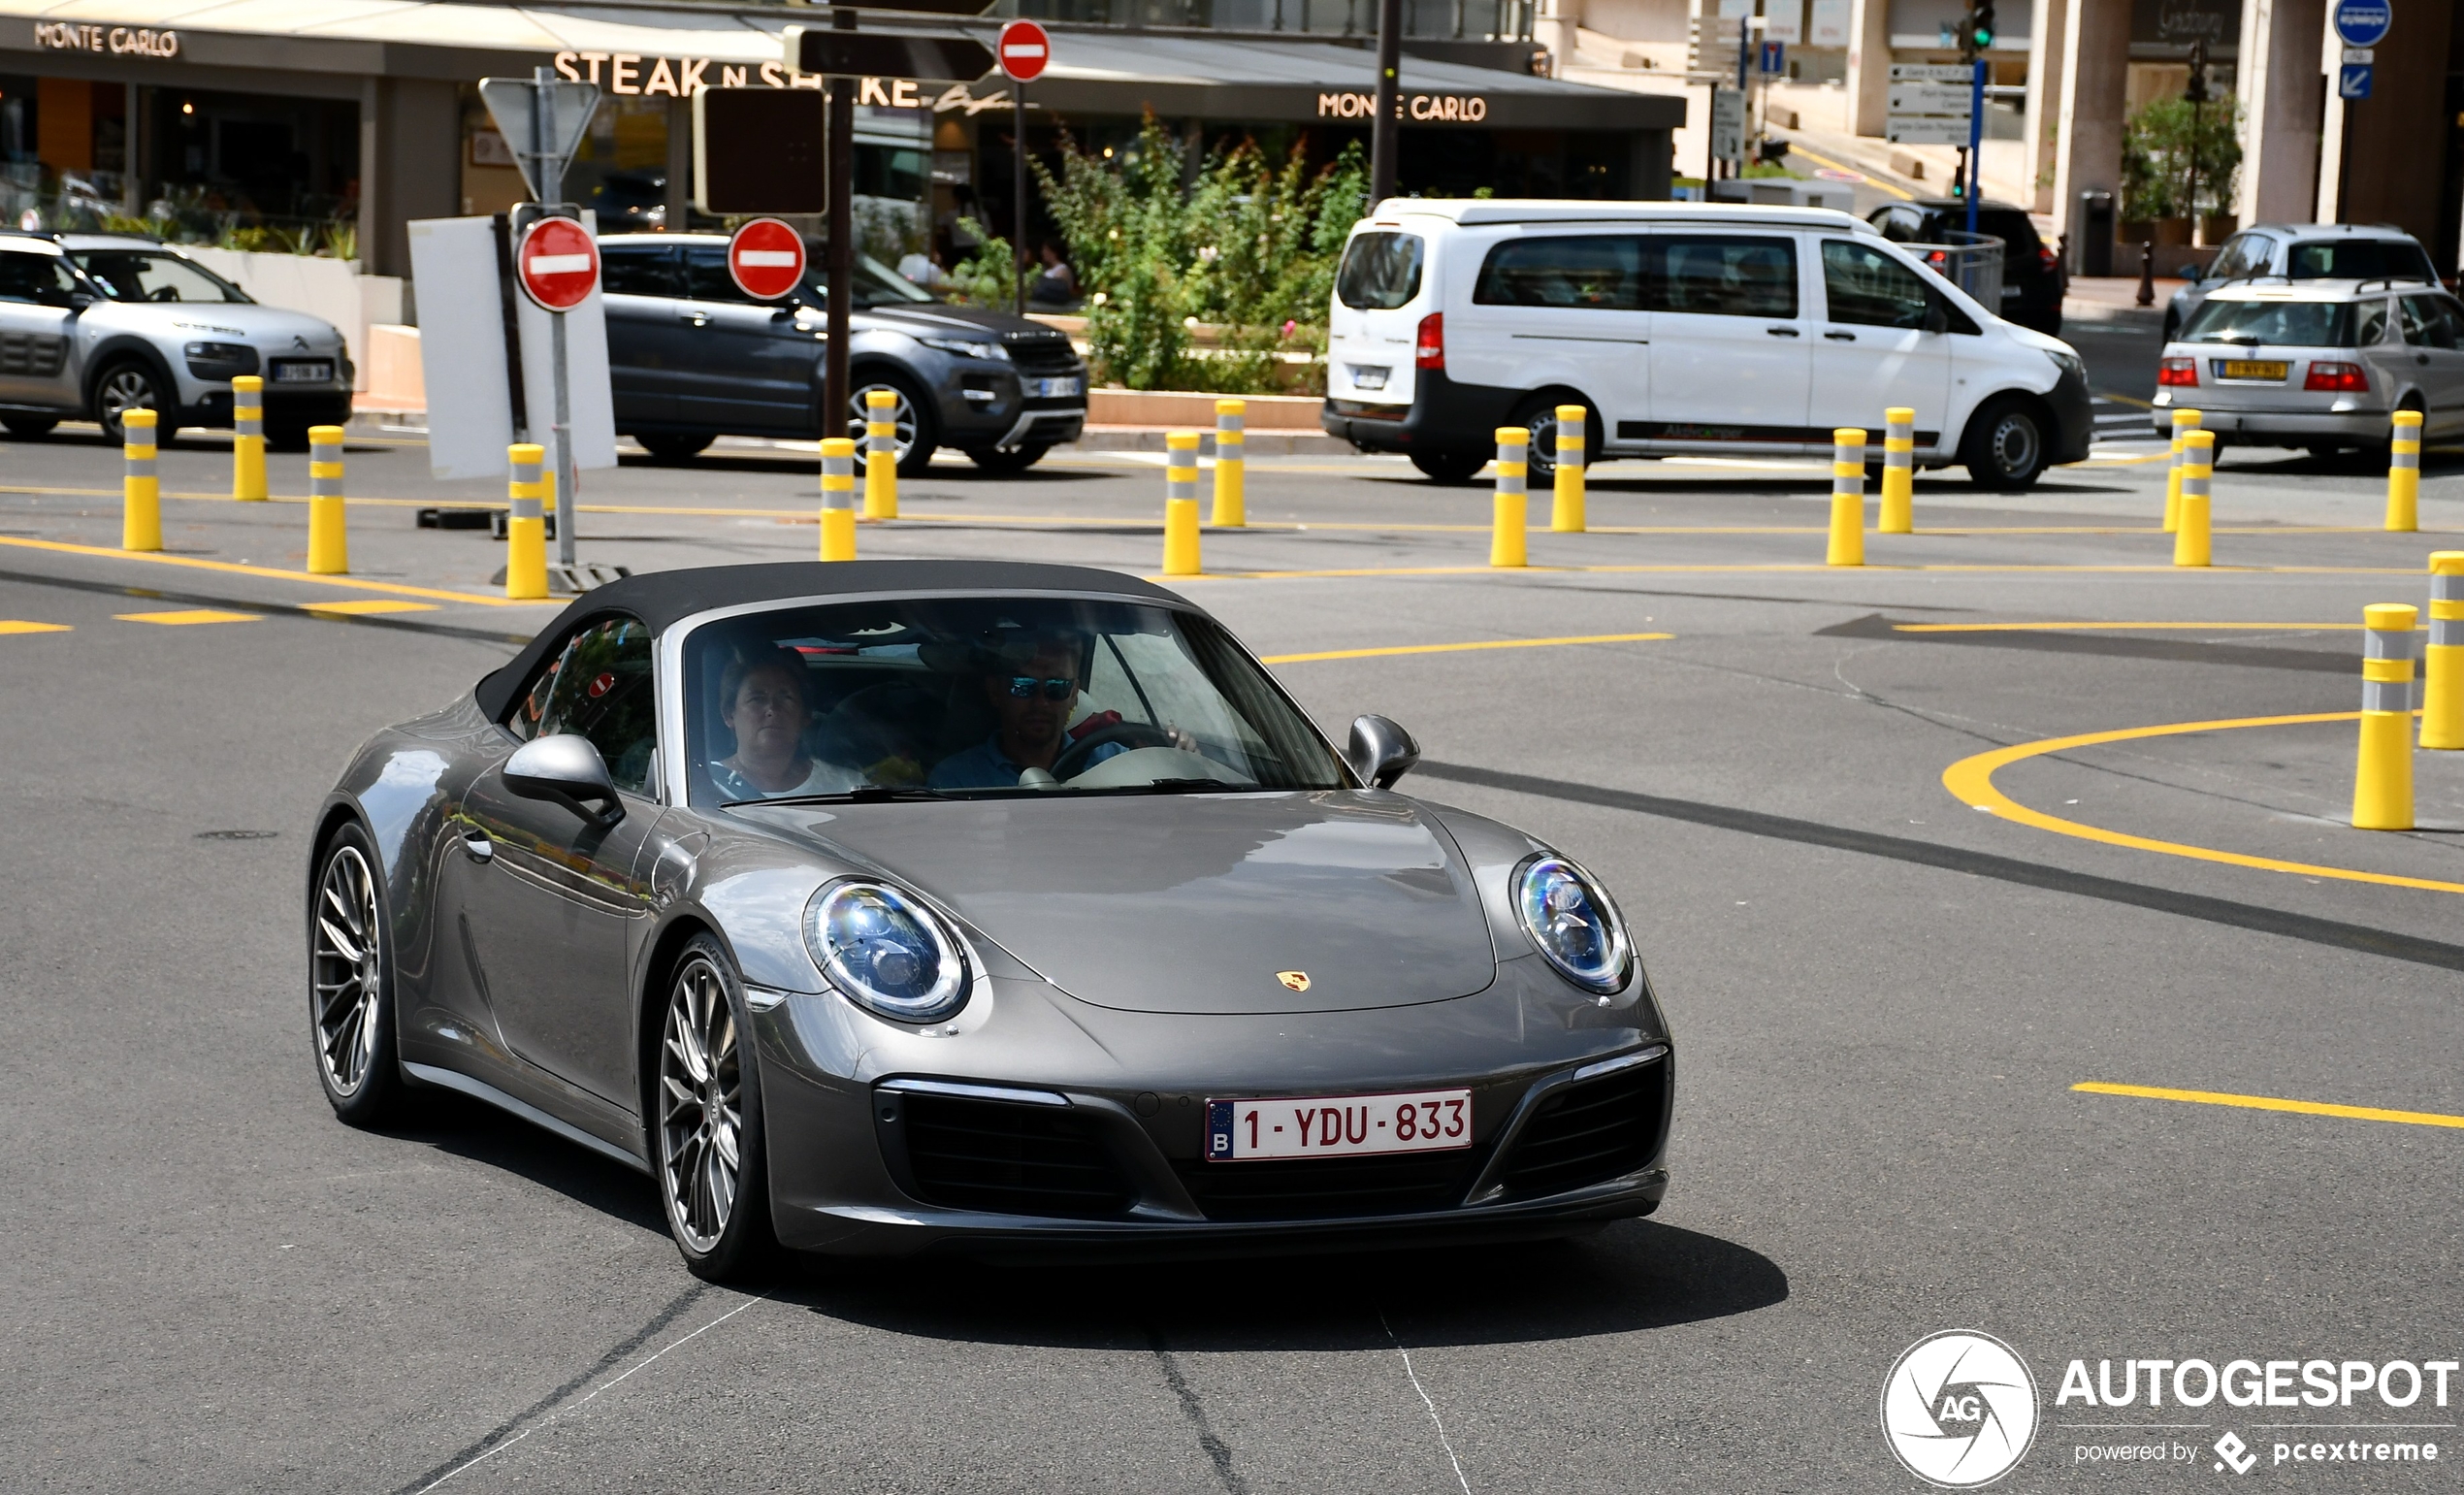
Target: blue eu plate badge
[{"x": 1218, "y": 1129}]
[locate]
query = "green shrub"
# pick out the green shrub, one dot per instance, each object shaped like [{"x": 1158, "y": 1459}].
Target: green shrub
[{"x": 2157, "y": 157}]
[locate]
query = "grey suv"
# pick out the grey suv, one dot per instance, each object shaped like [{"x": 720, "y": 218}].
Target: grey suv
[
  {"x": 2304, "y": 251},
  {"x": 692, "y": 357},
  {"x": 92, "y": 325}
]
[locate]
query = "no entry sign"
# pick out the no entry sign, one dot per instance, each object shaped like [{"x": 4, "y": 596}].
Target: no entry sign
[
  {"x": 1025, "y": 51},
  {"x": 557, "y": 264},
  {"x": 767, "y": 258}
]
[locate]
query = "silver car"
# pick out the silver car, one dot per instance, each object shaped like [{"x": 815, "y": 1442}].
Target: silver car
[
  {"x": 2301, "y": 251},
  {"x": 893, "y": 907},
  {"x": 2316, "y": 364},
  {"x": 92, "y": 325}
]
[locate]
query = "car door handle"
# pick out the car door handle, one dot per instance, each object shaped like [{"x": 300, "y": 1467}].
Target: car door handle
[
  {"x": 1781, "y": 332},
  {"x": 477, "y": 847},
  {"x": 1841, "y": 336},
  {"x": 697, "y": 318},
  {"x": 2420, "y": 358}
]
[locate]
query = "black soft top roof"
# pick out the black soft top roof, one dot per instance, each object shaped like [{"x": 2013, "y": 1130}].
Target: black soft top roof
[{"x": 661, "y": 599}]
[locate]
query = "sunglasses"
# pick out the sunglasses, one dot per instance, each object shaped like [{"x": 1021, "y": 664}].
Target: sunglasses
[{"x": 1058, "y": 687}]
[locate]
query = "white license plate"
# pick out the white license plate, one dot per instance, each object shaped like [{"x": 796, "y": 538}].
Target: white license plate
[
  {"x": 1054, "y": 388},
  {"x": 303, "y": 374},
  {"x": 2010, "y": 293},
  {"x": 1368, "y": 377},
  {"x": 1338, "y": 1126}
]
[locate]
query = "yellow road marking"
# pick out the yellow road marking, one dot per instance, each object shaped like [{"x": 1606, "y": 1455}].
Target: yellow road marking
[
  {"x": 1971, "y": 781},
  {"x": 2273, "y": 1103},
  {"x": 1770, "y": 569},
  {"x": 362, "y": 609},
  {"x": 1870, "y": 179},
  {"x": 1457, "y": 648},
  {"x": 188, "y": 616},
  {"x": 234, "y": 568},
  {"x": 20, "y": 625},
  {"x": 2064, "y": 628},
  {"x": 2144, "y": 405}
]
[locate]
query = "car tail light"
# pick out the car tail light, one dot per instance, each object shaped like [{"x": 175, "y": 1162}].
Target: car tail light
[
  {"x": 2046, "y": 259},
  {"x": 1936, "y": 259},
  {"x": 2337, "y": 378},
  {"x": 2178, "y": 371},
  {"x": 1429, "y": 352}
]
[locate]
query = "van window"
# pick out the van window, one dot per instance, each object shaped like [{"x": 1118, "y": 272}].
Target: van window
[
  {"x": 1600, "y": 271},
  {"x": 1869, "y": 288},
  {"x": 1380, "y": 272},
  {"x": 1720, "y": 275},
  {"x": 2359, "y": 259}
]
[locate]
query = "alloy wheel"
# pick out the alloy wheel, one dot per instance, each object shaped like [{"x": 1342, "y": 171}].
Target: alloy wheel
[
  {"x": 123, "y": 390},
  {"x": 347, "y": 971},
  {"x": 903, "y": 419},
  {"x": 700, "y": 1106}
]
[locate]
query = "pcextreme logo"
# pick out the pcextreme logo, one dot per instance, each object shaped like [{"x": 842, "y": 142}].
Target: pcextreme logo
[{"x": 1958, "y": 1409}]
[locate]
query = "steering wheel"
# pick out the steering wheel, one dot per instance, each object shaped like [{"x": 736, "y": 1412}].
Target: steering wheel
[{"x": 1076, "y": 758}]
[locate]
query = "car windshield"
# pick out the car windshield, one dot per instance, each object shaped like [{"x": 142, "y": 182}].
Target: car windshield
[
  {"x": 2358, "y": 259},
  {"x": 876, "y": 285},
  {"x": 145, "y": 275},
  {"x": 2281, "y": 323},
  {"x": 978, "y": 697}
]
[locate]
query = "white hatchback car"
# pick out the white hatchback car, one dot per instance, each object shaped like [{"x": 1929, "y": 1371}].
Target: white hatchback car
[
  {"x": 1685, "y": 328},
  {"x": 2316, "y": 364}
]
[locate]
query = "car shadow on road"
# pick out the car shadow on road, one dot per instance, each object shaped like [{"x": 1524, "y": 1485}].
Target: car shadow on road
[
  {"x": 1632, "y": 1275},
  {"x": 472, "y": 1129}
]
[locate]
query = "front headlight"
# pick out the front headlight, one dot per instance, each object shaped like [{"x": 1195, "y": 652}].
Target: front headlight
[
  {"x": 1574, "y": 923},
  {"x": 886, "y": 952},
  {"x": 2068, "y": 363},
  {"x": 968, "y": 348}
]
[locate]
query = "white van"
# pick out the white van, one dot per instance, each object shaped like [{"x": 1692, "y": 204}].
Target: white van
[{"x": 1701, "y": 328}]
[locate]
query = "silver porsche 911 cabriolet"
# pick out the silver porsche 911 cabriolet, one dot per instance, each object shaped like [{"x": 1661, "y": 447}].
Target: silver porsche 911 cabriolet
[{"x": 880, "y": 908}]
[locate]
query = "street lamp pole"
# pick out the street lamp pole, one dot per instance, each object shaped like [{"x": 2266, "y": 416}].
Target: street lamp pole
[{"x": 1382, "y": 125}]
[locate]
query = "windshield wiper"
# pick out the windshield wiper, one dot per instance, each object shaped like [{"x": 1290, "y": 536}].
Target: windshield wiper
[{"x": 1184, "y": 787}]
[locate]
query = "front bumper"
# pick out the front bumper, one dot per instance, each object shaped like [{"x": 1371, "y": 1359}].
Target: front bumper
[
  {"x": 849, "y": 1175},
  {"x": 299, "y": 407}
]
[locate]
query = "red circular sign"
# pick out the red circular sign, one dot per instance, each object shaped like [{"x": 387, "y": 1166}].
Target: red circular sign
[
  {"x": 557, "y": 264},
  {"x": 767, "y": 257},
  {"x": 1025, "y": 51}
]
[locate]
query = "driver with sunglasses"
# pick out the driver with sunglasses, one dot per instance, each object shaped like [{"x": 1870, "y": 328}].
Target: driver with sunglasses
[{"x": 1032, "y": 700}]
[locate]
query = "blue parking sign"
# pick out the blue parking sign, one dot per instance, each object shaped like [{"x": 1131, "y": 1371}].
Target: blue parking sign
[
  {"x": 2352, "y": 80},
  {"x": 1774, "y": 56}
]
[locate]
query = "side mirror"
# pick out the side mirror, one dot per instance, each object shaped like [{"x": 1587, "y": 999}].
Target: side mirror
[
  {"x": 566, "y": 768},
  {"x": 1382, "y": 752},
  {"x": 1937, "y": 318}
]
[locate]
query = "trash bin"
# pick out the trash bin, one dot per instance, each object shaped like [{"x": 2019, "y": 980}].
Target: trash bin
[{"x": 2092, "y": 235}]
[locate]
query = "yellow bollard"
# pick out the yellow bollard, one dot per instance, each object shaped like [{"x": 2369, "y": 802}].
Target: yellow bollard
[
  {"x": 2198, "y": 466},
  {"x": 526, "y": 530},
  {"x": 2443, "y": 672},
  {"x": 2404, "y": 473},
  {"x": 1898, "y": 471},
  {"x": 1847, "y": 498},
  {"x": 328, "y": 544},
  {"x": 2382, "y": 776},
  {"x": 248, "y": 437},
  {"x": 2184, "y": 423},
  {"x": 1231, "y": 467},
  {"x": 1510, "y": 512},
  {"x": 1565, "y": 511},
  {"x": 838, "y": 499},
  {"x": 141, "y": 519},
  {"x": 1180, "y": 504},
  {"x": 881, "y": 454}
]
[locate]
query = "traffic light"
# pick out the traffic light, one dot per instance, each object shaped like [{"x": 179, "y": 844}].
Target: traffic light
[
  {"x": 1981, "y": 24},
  {"x": 2197, "y": 93}
]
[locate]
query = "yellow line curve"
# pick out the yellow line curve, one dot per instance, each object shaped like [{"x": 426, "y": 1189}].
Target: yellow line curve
[{"x": 2272, "y": 1103}]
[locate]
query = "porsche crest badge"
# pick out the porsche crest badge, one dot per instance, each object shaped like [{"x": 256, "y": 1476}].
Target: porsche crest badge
[{"x": 1297, "y": 981}]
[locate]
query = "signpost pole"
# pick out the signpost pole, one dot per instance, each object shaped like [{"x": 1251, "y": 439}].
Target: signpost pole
[
  {"x": 1018, "y": 193},
  {"x": 842, "y": 238},
  {"x": 1384, "y": 129},
  {"x": 551, "y": 192},
  {"x": 1975, "y": 140}
]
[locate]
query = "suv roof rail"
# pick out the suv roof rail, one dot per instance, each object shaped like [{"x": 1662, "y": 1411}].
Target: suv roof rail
[
  {"x": 2390, "y": 282},
  {"x": 48, "y": 236}
]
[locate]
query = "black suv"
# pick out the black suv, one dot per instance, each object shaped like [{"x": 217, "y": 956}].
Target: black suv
[
  {"x": 2032, "y": 279},
  {"x": 691, "y": 358}
]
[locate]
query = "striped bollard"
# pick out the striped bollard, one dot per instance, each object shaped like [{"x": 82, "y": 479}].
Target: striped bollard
[
  {"x": 248, "y": 437},
  {"x": 1565, "y": 510},
  {"x": 1231, "y": 467},
  {"x": 141, "y": 519},
  {"x": 2190, "y": 545},
  {"x": 1180, "y": 504},
  {"x": 526, "y": 529},
  {"x": 2443, "y": 667},
  {"x": 838, "y": 499},
  {"x": 2382, "y": 774},
  {"x": 2184, "y": 423},
  {"x": 1511, "y": 513},
  {"x": 2404, "y": 473},
  {"x": 1898, "y": 471},
  {"x": 328, "y": 544},
  {"x": 881, "y": 454},
  {"x": 1847, "y": 498}
]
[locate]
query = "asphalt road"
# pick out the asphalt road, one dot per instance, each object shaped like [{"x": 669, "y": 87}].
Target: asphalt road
[{"x": 1882, "y": 997}]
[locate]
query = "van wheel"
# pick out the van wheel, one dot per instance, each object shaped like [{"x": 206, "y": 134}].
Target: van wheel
[
  {"x": 1539, "y": 416},
  {"x": 2005, "y": 447},
  {"x": 1450, "y": 467}
]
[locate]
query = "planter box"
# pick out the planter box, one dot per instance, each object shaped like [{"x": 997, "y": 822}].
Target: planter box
[
  {"x": 390, "y": 375},
  {"x": 1155, "y": 408}
]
